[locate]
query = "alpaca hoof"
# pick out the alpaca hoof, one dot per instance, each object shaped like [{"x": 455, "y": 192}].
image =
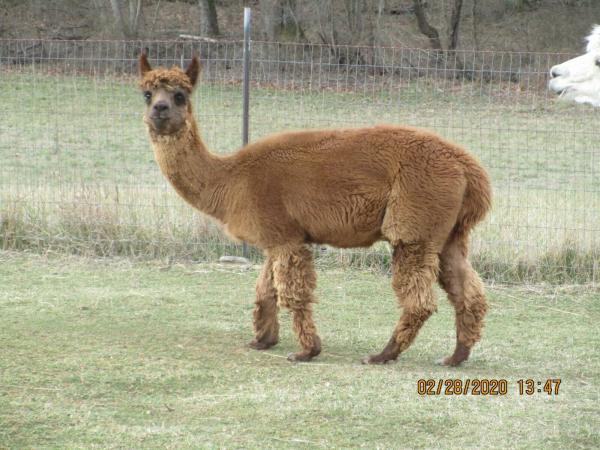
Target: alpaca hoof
[
  {"x": 306, "y": 354},
  {"x": 262, "y": 345},
  {"x": 377, "y": 359},
  {"x": 449, "y": 361},
  {"x": 460, "y": 354},
  {"x": 299, "y": 357},
  {"x": 303, "y": 356}
]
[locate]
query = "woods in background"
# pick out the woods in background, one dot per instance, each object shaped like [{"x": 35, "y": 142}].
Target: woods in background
[{"x": 444, "y": 25}]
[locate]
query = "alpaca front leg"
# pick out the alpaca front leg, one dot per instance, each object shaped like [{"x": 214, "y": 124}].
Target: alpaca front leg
[
  {"x": 306, "y": 331},
  {"x": 266, "y": 325},
  {"x": 407, "y": 329},
  {"x": 295, "y": 280},
  {"x": 414, "y": 270}
]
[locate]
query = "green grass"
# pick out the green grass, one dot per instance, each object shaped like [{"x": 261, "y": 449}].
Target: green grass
[
  {"x": 67, "y": 128},
  {"x": 109, "y": 353},
  {"x": 78, "y": 174}
]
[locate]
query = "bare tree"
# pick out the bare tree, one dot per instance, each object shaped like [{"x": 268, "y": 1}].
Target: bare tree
[
  {"x": 326, "y": 19},
  {"x": 448, "y": 55},
  {"x": 432, "y": 33},
  {"x": 280, "y": 20},
  {"x": 128, "y": 25},
  {"x": 293, "y": 19},
  {"x": 354, "y": 17},
  {"x": 475, "y": 14},
  {"x": 349, "y": 22},
  {"x": 361, "y": 16},
  {"x": 454, "y": 23},
  {"x": 425, "y": 27},
  {"x": 210, "y": 21},
  {"x": 271, "y": 12}
]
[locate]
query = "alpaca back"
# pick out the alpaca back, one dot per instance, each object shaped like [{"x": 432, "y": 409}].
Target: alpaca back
[{"x": 333, "y": 186}]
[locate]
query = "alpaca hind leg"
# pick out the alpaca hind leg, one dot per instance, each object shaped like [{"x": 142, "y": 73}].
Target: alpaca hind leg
[
  {"x": 266, "y": 325},
  {"x": 295, "y": 280},
  {"x": 414, "y": 271},
  {"x": 465, "y": 292}
]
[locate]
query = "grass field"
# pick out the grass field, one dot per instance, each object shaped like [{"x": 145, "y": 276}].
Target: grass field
[
  {"x": 115, "y": 354},
  {"x": 78, "y": 175},
  {"x": 115, "y": 332}
]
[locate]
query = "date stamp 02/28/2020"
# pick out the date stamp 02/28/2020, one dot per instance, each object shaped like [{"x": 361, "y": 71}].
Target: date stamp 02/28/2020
[{"x": 485, "y": 386}]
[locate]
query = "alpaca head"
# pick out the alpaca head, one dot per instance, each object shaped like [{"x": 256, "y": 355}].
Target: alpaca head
[
  {"x": 167, "y": 95},
  {"x": 578, "y": 79}
]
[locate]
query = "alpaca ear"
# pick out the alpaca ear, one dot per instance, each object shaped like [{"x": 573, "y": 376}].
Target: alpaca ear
[
  {"x": 144, "y": 65},
  {"x": 193, "y": 70}
]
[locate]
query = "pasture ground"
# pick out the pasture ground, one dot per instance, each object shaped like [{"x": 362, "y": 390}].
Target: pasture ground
[{"x": 111, "y": 353}]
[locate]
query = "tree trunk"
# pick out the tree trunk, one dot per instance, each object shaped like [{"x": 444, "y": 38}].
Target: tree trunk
[
  {"x": 210, "y": 20},
  {"x": 453, "y": 38},
  {"x": 128, "y": 27},
  {"x": 327, "y": 31},
  {"x": 116, "y": 10},
  {"x": 272, "y": 15},
  {"x": 354, "y": 16},
  {"x": 425, "y": 27},
  {"x": 280, "y": 20},
  {"x": 475, "y": 14},
  {"x": 292, "y": 20},
  {"x": 135, "y": 9},
  {"x": 454, "y": 22},
  {"x": 453, "y": 66}
]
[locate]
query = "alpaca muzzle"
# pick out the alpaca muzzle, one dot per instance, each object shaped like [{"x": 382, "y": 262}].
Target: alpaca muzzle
[{"x": 159, "y": 122}]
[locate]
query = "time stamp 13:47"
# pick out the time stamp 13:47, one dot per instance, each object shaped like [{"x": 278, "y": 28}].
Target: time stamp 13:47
[{"x": 485, "y": 386}]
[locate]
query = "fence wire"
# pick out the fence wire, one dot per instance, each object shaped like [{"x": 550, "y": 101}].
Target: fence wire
[{"x": 78, "y": 174}]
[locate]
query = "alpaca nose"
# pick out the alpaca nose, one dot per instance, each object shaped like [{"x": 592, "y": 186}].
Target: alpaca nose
[
  {"x": 555, "y": 72},
  {"x": 161, "y": 106}
]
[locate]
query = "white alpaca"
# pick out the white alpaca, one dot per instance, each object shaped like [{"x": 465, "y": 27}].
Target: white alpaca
[{"x": 578, "y": 79}]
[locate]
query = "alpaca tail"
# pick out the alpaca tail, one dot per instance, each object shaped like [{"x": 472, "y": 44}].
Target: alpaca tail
[{"x": 477, "y": 200}]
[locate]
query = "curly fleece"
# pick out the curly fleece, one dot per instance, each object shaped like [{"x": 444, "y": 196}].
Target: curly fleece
[
  {"x": 344, "y": 188},
  {"x": 166, "y": 78}
]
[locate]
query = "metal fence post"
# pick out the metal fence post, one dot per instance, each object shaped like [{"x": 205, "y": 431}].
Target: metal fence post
[{"x": 246, "y": 89}]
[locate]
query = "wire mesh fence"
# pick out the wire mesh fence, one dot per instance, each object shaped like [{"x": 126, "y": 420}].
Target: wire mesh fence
[{"x": 78, "y": 174}]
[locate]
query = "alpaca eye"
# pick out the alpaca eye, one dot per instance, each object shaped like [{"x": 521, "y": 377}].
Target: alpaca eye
[
  {"x": 147, "y": 96},
  {"x": 179, "y": 98},
  {"x": 598, "y": 62}
]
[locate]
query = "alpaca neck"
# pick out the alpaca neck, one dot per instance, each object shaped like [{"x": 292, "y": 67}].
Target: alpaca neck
[{"x": 196, "y": 174}]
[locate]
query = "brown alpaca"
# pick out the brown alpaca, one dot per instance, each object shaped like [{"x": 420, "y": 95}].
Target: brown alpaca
[{"x": 345, "y": 188}]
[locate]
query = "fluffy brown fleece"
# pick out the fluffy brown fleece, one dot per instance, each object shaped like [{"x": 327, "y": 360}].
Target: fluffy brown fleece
[
  {"x": 346, "y": 188},
  {"x": 169, "y": 78}
]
